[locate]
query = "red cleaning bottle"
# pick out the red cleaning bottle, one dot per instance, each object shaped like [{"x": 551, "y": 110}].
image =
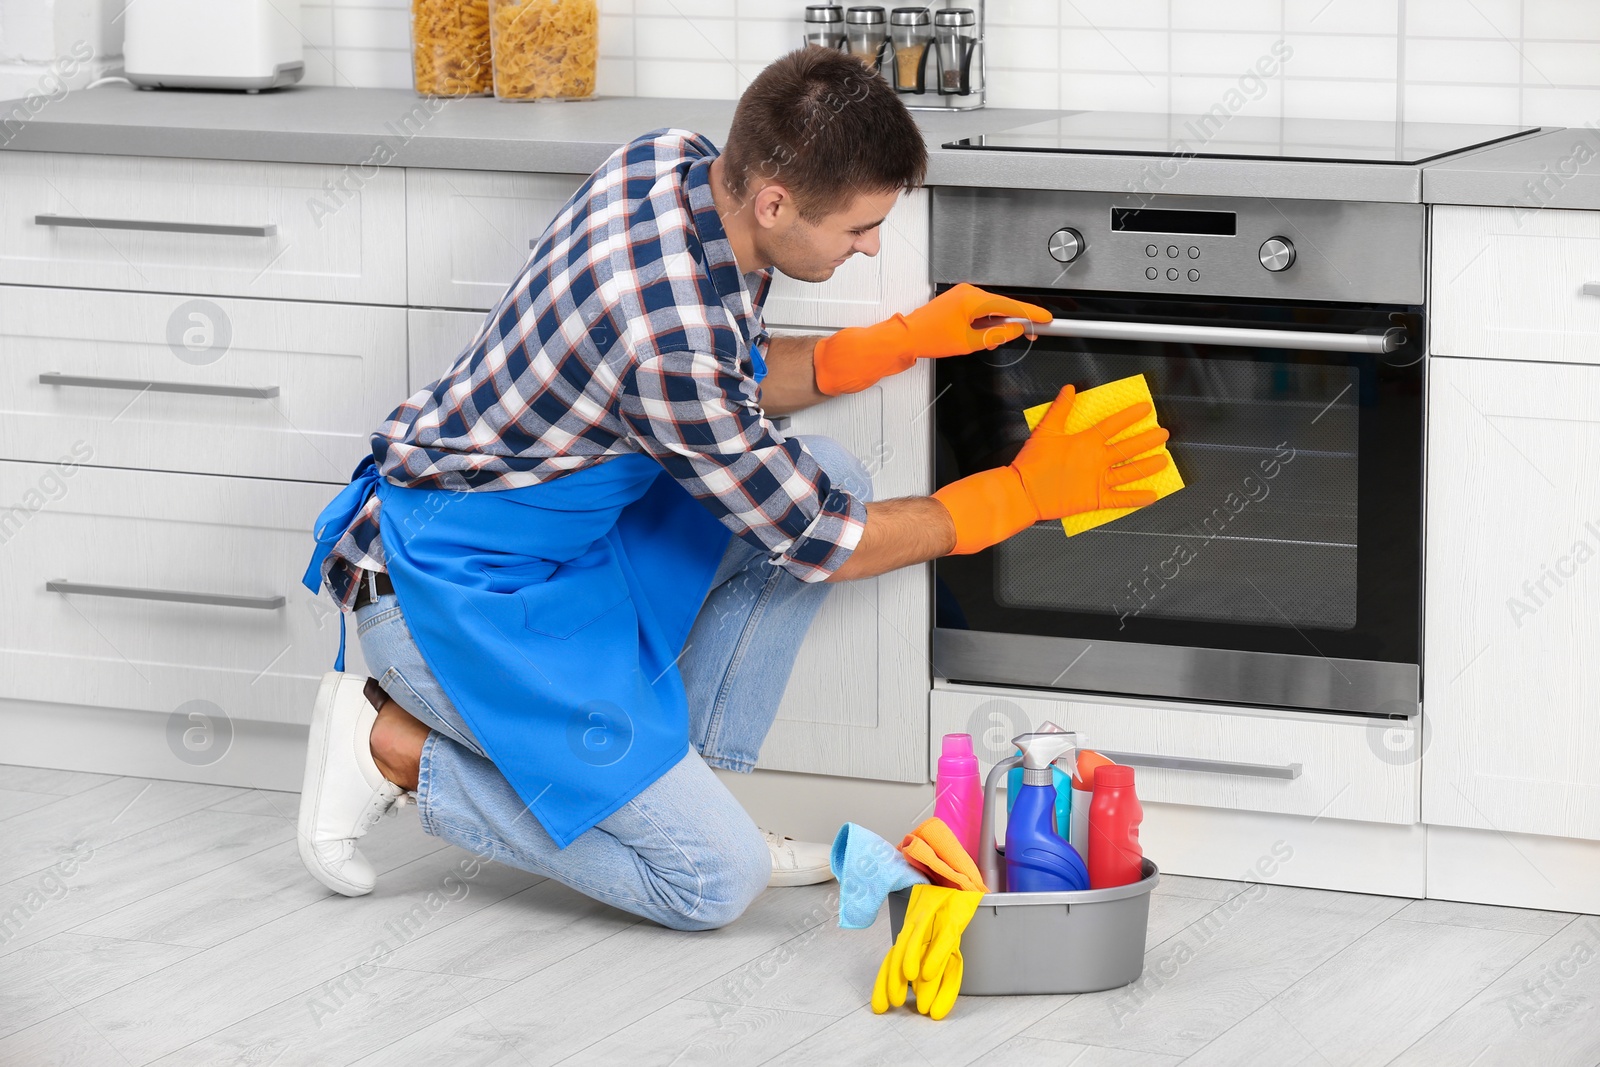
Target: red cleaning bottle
[{"x": 1115, "y": 857}]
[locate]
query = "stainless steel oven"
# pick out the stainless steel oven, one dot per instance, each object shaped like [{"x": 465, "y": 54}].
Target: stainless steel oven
[{"x": 1283, "y": 342}]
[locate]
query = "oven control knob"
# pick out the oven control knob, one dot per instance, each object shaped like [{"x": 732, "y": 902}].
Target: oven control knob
[
  {"x": 1277, "y": 254},
  {"x": 1066, "y": 245}
]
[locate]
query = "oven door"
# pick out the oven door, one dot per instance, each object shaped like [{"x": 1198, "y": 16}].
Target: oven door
[{"x": 1288, "y": 570}]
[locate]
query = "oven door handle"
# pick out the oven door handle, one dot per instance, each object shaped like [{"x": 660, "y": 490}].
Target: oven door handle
[
  {"x": 1288, "y": 771},
  {"x": 1370, "y": 343}
]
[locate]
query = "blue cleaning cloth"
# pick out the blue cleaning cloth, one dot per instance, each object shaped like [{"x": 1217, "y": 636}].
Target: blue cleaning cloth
[{"x": 868, "y": 869}]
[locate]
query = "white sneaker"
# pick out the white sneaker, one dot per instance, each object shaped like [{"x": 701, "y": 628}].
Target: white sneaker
[
  {"x": 344, "y": 792},
  {"x": 797, "y": 862}
]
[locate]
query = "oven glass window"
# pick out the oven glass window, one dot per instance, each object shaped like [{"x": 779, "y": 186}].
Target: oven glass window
[
  {"x": 1297, "y": 532},
  {"x": 1264, "y": 533}
]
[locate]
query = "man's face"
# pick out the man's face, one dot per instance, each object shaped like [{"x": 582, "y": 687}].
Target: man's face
[{"x": 812, "y": 251}]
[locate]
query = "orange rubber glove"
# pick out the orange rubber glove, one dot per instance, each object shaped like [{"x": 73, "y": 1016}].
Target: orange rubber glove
[
  {"x": 1056, "y": 474},
  {"x": 948, "y": 325}
]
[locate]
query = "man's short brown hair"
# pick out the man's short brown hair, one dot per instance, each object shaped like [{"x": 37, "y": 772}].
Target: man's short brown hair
[{"x": 827, "y": 127}]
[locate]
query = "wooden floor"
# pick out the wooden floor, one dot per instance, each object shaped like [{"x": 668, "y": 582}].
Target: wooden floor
[{"x": 157, "y": 922}]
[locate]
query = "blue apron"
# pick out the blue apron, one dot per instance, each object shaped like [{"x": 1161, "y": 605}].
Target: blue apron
[{"x": 553, "y": 616}]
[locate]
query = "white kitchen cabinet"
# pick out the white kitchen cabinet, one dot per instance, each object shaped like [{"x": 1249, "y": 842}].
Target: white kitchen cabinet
[
  {"x": 857, "y": 701},
  {"x": 1291, "y": 763},
  {"x": 1508, "y": 283},
  {"x": 1510, "y": 682},
  {"x": 469, "y": 232},
  {"x": 264, "y": 388},
  {"x": 284, "y": 230},
  {"x": 199, "y": 497},
  {"x": 147, "y": 590}
]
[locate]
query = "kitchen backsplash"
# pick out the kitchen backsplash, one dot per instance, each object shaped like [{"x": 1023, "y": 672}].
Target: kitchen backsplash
[{"x": 1533, "y": 61}]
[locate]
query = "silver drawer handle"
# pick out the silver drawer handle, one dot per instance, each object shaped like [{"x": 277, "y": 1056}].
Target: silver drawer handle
[
  {"x": 219, "y": 600},
  {"x": 1289, "y": 771},
  {"x": 1375, "y": 344},
  {"x": 268, "y": 230},
  {"x": 1591, "y": 288},
  {"x": 252, "y": 392}
]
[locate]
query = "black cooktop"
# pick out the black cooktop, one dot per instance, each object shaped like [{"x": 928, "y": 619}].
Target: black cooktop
[{"x": 1217, "y": 135}]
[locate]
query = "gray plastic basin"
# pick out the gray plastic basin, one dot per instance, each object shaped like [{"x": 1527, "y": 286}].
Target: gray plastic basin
[{"x": 1076, "y": 942}]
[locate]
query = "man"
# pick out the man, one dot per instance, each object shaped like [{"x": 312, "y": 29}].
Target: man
[{"x": 582, "y": 561}]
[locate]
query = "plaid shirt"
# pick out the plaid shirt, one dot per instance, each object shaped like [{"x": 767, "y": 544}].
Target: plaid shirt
[{"x": 629, "y": 329}]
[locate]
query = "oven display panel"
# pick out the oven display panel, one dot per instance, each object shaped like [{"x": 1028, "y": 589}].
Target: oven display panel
[{"x": 1164, "y": 220}]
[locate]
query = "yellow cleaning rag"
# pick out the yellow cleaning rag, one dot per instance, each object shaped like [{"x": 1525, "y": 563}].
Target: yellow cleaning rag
[{"x": 1090, "y": 407}]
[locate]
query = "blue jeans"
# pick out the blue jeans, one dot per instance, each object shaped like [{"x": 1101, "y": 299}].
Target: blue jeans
[{"x": 682, "y": 853}]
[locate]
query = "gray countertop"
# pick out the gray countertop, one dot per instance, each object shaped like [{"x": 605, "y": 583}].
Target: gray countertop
[
  {"x": 310, "y": 124},
  {"x": 1556, "y": 168},
  {"x": 395, "y": 127}
]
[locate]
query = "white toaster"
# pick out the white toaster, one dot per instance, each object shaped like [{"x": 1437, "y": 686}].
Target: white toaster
[{"x": 213, "y": 44}]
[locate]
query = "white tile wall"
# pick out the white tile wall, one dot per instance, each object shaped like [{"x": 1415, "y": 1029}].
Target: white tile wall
[
  {"x": 34, "y": 33},
  {"x": 1533, "y": 61},
  {"x": 364, "y": 43}
]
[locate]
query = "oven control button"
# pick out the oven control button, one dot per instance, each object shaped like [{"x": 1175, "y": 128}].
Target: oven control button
[
  {"x": 1172, "y": 274},
  {"x": 1172, "y": 251},
  {"x": 1194, "y": 275},
  {"x": 1152, "y": 273},
  {"x": 1194, "y": 252},
  {"x": 1066, "y": 245},
  {"x": 1152, "y": 251},
  {"x": 1277, "y": 254}
]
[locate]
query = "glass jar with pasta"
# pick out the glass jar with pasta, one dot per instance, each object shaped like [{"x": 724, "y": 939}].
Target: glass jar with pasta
[
  {"x": 450, "y": 47},
  {"x": 544, "y": 49}
]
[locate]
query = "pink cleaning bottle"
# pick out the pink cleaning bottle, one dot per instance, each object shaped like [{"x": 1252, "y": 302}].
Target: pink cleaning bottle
[{"x": 958, "y": 796}]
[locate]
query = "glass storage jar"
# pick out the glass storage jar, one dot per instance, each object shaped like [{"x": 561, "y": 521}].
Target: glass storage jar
[
  {"x": 910, "y": 32},
  {"x": 867, "y": 33},
  {"x": 450, "y": 47},
  {"x": 824, "y": 25},
  {"x": 957, "y": 32},
  {"x": 544, "y": 49}
]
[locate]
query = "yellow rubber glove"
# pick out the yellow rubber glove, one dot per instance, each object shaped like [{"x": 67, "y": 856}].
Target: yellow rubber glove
[
  {"x": 927, "y": 954},
  {"x": 890, "y": 987},
  {"x": 934, "y": 962},
  {"x": 951, "y": 324},
  {"x": 1056, "y": 474},
  {"x": 936, "y": 996}
]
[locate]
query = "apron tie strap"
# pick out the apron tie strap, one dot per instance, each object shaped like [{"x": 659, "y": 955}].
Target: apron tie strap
[{"x": 331, "y": 525}]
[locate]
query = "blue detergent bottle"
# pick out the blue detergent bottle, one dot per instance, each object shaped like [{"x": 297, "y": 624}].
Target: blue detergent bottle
[{"x": 1038, "y": 860}]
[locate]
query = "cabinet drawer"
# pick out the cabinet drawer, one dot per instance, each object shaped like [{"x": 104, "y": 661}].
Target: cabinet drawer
[
  {"x": 268, "y": 388},
  {"x": 867, "y": 289},
  {"x": 237, "y": 629},
  {"x": 1509, "y": 283},
  {"x": 469, "y": 232},
  {"x": 1348, "y": 768},
  {"x": 287, "y": 230}
]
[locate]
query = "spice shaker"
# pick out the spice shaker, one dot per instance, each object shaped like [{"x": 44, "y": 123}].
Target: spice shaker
[
  {"x": 911, "y": 32},
  {"x": 960, "y": 70},
  {"x": 938, "y": 55},
  {"x": 866, "y": 34},
  {"x": 825, "y": 25}
]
